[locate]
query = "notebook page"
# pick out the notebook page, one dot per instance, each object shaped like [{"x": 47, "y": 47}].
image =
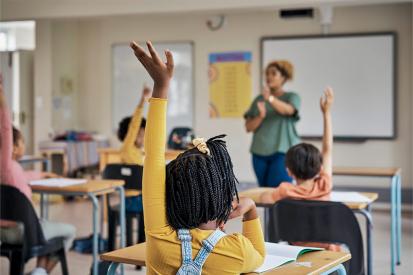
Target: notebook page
[
  {"x": 348, "y": 197},
  {"x": 272, "y": 261},
  {"x": 288, "y": 251},
  {"x": 57, "y": 182}
]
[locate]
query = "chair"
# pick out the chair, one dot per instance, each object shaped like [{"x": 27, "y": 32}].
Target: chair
[
  {"x": 20, "y": 219},
  {"x": 132, "y": 176},
  {"x": 184, "y": 134},
  {"x": 318, "y": 221}
]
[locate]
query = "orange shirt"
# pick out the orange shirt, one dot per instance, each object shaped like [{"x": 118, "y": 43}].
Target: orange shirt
[{"x": 320, "y": 191}]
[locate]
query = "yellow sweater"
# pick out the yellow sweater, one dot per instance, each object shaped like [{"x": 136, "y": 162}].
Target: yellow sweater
[
  {"x": 233, "y": 254},
  {"x": 129, "y": 153}
]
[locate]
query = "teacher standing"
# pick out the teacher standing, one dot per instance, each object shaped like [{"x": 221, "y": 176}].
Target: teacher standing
[{"x": 272, "y": 118}]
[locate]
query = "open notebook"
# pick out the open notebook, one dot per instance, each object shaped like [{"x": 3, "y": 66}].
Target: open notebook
[
  {"x": 279, "y": 254},
  {"x": 57, "y": 182}
]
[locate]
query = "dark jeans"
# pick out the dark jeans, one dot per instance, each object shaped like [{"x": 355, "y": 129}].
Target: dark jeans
[
  {"x": 270, "y": 170},
  {"x": 134, "y": 204}
]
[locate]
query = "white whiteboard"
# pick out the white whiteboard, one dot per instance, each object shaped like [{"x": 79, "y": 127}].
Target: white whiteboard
[
  {"x": 360, "y": 69},
  {"x": 129, "y": 76}
]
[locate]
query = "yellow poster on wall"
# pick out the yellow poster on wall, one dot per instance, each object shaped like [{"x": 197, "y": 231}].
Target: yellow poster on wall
[{"x": 229, "y": 84}]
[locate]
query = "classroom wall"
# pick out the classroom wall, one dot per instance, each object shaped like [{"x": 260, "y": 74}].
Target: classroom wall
[
  {"x": 242, "y": 33},
  {"x": 65, "y": 76}
]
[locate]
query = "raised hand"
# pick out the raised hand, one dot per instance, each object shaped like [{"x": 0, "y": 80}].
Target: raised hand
[
  {"x": 160, "y": 72},
  {"x": 262, "y": 109},
  {"x": 146, "y": 92},
  {"x": 327, "y": 100}
]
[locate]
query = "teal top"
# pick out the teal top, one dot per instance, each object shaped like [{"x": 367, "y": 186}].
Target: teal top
[{"x": 277, "y": 133}]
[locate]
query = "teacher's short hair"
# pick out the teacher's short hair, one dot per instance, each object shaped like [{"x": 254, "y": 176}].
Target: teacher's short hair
[
  {"x": 284, "y": 67},
  {"x": 304, "y": 161}
]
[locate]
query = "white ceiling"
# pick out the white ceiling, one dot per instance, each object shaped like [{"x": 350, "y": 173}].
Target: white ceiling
[{"x": 37, "y": 9}]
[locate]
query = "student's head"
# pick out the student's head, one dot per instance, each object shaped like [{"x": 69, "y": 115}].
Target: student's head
[
  {"x": 278, "y": 72},
  {"x": 199, "y": 187},
  {"x": 123, "y": 130},
  {"x": 304, "y": 161},
  {"x": 18, "y": 144}
]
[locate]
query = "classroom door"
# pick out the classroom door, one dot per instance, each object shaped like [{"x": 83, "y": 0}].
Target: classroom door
[{"x": 17, "y": 70}]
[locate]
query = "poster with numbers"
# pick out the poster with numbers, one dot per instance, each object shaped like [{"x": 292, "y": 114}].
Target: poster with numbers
[{"x": 230, "y": 86}]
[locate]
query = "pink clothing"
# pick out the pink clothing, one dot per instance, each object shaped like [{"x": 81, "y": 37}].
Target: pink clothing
[{"x": 11, "y": 172}]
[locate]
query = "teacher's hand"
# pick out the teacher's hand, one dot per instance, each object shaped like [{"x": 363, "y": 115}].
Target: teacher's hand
[
  {"x": 266, "y": 93},
  {"x": 262, "y": 109}
]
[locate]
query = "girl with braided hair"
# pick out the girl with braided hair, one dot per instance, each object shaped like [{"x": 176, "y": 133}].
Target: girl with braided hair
[{"x": 187, "y": 204}]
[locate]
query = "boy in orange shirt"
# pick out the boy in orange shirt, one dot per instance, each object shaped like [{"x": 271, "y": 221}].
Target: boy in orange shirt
[{"x": 310, "y": 168}]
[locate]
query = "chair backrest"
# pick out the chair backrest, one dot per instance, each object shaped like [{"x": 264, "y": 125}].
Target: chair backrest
[
  {"x": 130, "y": 173},
  {"x": 15, "y": 206},
  {"x": 184, "y": 134},
  {"x": 318, "y": 221}
]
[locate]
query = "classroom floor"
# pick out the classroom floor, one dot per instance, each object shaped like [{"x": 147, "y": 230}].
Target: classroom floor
[{"x": 80, "y": 212}]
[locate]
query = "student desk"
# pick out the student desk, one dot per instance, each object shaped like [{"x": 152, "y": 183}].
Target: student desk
[
  {"x": 322, "y": 262},
  {"x": 112, "y": 155},
  {"x": 92, "y": 189},
  {"x": 362, "y": 208},
  {"x": 395, "y": 192}
]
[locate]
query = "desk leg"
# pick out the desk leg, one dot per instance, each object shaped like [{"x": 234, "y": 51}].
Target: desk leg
[
  {"x": 399, "y": 218},
  {"x": 266, "y": 223},
  {"x": 339, "y": 269},
  {"x": 393, "y": 224},
  {"x": 122, "y": 217},
  {"x": 44, "y": 207},
  {"x": 95, "y": 249},
  {"x": 112, "y": 269},
  {"x": 369, "y": 225}
]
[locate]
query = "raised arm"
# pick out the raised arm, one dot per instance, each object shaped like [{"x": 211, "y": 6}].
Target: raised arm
[
  {"x": 327, "y": 151},
  {"x": 155, "y": 136},
  {"x": 136, "y": 121}
]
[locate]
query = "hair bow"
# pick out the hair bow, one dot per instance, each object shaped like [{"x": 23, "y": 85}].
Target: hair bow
[{"x": 201, "y": 145}]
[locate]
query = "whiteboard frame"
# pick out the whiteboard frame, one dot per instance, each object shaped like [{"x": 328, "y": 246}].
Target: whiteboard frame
[{"x": 393, "y": 36}]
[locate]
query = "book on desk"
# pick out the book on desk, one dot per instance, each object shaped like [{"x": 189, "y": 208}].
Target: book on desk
[{"x": 280, "y": 254}]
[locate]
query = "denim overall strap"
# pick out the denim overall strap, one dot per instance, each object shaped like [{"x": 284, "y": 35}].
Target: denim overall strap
[
  {"x": 207, "y": 247},
  {"x": 188, "y": 266},
  {"x": 186, "y": 245}
]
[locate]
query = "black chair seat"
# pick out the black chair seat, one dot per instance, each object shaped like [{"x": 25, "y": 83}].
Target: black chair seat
[
  {"x": 132, "y": 175},
  {"x": 318, "y": 221},
  {"x": 16, "y": 207}
]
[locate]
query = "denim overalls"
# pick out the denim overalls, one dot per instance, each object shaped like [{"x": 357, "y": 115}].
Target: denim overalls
[{"x": 194, "y": 267}]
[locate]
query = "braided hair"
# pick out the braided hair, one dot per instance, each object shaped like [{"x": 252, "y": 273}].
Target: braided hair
[{"x": 199, "y": 187}]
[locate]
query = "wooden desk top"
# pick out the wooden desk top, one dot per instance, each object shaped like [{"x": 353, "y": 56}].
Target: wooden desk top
[
  {"x": 91, "y": 186},
  {"x": 255, "y": 195},
  {"x": 367, "y": 171},
  {"x": 132, "y": 192},
  {"x": 320, "y": 260}
]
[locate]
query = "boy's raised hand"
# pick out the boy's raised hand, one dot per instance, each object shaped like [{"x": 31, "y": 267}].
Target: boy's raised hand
[
  {"x": 160, "y": 72},
  {"x": 146, "y": 92},
  {"x": 327, "y": 100}
]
